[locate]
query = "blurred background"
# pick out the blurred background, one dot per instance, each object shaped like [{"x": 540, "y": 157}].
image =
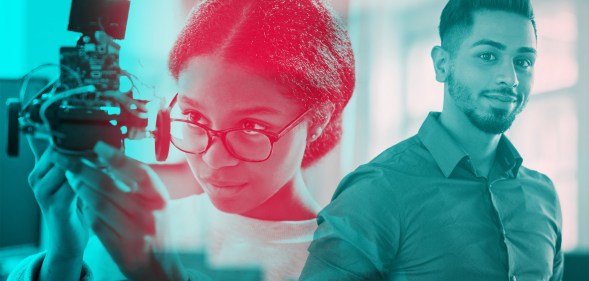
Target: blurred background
[{"x": 395, "y": 91}]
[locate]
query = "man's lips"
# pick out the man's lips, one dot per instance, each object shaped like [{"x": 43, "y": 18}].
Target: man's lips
[{"x": 502, "y": 97}]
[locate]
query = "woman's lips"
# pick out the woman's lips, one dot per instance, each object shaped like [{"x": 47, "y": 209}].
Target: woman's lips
[
  {"x": 222, "y": 188},
  {"x": 222, "y": 184}
]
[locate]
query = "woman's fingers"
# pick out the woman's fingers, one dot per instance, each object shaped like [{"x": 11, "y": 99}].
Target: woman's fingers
[
  {"x": 38, "y": 146},
  {"x": 128, "y": 252},
  {"x": 65, "y": 192},
  {"x": 123, "y": 167},
  {"x": 123, "y": 236},
  {"x": 108, "y": 197},
  {"x": 137, "y": 176},
  {"x": 116, "y": 173},
  {"x": 82, "y": 172},
  {"x": 50, "y": 183},
  {"x": 100, "y": 192},
  {"x": 124, "y": 219},
  {"x": 42, "y": 167}
]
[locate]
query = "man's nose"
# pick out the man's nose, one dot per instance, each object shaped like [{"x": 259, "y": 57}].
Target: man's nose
[{"x": 507, "y": 75}]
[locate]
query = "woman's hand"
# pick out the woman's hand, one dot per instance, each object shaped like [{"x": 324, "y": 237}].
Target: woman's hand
[
  {"x": 68, "y": 234},
  {"x": 120, "y": 198}
]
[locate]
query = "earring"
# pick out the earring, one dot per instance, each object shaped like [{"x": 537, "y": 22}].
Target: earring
[{"x": 317, "y": 134}]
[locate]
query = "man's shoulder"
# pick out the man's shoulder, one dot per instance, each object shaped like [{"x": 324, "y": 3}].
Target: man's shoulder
[
  {"x": 400, "y": 155},
  {"x": 389, "y": 168},
  {"x": 537, "y": 181},
  {"x": 527, "y": 174},
  {"x": 408, "y": 158}
]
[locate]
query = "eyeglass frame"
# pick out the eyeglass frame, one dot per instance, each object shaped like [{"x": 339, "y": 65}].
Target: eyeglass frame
[{"x": 272, "y": 136}]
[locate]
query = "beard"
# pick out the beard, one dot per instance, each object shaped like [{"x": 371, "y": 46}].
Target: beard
[{"x": 495, "y": 122}]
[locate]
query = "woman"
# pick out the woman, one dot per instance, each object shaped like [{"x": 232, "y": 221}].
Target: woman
[{"x": 262, "y": 85}]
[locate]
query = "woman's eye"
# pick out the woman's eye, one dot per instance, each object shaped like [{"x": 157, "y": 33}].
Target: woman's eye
[
  {"x": 194, "y": 117},
  {"x": 252, "y": 125},
  {"x": 488, "y": 57}
]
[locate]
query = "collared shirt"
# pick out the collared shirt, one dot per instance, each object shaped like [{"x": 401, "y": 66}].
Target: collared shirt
[{"x": 419, "y": 211}]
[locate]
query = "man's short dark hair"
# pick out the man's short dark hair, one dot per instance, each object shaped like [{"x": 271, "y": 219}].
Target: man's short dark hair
[{"x": 457, "y": 17}]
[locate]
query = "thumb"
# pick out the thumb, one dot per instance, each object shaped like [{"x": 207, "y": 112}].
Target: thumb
[{"x": 38, "y": 146}]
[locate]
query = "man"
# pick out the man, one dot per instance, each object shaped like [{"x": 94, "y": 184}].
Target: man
[{"x": 453, "y": 202}]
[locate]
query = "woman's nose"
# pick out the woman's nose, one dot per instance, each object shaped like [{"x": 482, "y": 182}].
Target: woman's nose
[{"x": 217, "y": 156}]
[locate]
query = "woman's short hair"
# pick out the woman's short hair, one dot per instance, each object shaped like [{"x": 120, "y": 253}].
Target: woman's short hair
[{"x": 299, "y": 44}]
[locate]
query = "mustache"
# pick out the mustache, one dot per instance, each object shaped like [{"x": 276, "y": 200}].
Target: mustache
[{"x": 511, "y": 92}]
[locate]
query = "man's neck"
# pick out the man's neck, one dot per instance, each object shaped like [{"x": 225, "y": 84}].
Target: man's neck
[{"x": 480, "y": 146}]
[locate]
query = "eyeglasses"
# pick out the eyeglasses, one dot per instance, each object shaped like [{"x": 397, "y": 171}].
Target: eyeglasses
[{"x": 250, "y": 145}]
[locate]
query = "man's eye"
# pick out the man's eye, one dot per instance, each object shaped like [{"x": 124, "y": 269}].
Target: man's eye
[
  {"x": 488, "y": 57},
  {"x": 524, "y": 63}
]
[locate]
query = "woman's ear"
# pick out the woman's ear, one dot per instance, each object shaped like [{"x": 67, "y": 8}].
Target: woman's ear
[
  {"x": 440, "y": 58},
  {"x": 319, "y": 122}
]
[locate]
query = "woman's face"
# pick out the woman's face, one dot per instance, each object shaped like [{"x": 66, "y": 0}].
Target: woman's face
[{"x": 225, "y": 96}]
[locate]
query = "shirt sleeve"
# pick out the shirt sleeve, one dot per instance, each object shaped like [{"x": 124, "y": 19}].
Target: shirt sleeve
[
  {"x": 558, "y": 259},
  {"x": 558, "y": 262},
  {"x": 28, "y": 269},
  {"x": 358, "y": 232}
]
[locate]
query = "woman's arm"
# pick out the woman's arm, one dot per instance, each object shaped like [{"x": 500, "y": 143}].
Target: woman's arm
[
  {"x": 120, "y": 200},
  {"x": 67, "y": 233}
]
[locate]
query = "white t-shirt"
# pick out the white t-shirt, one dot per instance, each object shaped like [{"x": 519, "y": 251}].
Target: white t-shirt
[{"x": 221, "y": 245}]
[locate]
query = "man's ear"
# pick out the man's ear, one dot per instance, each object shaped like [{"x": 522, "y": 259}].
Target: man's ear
[
  {"x": 318, "y": 124},
  {"x": 441, "y": 60}
]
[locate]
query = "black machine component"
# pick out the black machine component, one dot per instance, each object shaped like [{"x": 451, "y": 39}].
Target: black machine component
[
  {"x": 13, "y": 128},
  {"x": 89, "y": 16},
  {"x": 85, "y": 104}
]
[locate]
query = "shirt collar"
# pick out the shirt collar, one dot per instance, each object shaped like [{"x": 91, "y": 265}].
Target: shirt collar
[
  {"x": 448, "y": 153},
  {"x": 508, "y": 157}
]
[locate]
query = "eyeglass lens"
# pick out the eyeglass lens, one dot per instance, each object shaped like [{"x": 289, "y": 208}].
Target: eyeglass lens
[{"x": 244, "y": 144}]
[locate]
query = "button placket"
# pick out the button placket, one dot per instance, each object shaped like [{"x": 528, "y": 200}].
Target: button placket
[{"x": 503, "y": 232}]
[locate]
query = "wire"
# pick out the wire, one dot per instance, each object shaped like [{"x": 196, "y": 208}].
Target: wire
[
  {"x": 44, "y": 129},
  {"x": 61, "y": 96},
  {"x": 54, "y": 99},
  {"x": 27, "y": 77},
  {"x": 127, "y": 102},
  {"x": 132, "y": 78},
  {"x": 39, "y": 130},
  {"x": 53, "y": 88}
]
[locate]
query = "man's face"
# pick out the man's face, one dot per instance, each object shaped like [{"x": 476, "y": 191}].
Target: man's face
[{"x": 491, "y": 73}]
